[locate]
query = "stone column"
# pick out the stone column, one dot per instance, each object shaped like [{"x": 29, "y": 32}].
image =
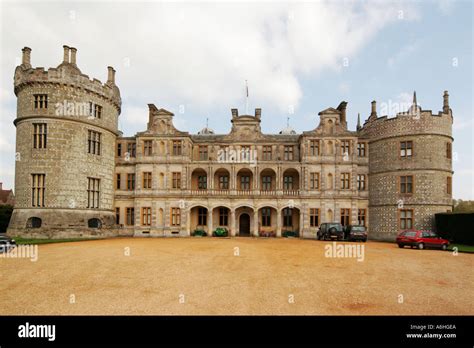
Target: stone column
[
  {"x": 255, "y": 222},
  {"x": 278, "y": 231},
  {"x": 232, "y": 222},
  {"x": 209, "y": 222}
]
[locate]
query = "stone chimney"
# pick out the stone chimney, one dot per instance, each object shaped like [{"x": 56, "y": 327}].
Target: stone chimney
[
  {"x": 258, "y": 113},
  {"x": 66, "y": 54},
  {"x": 235, "y": 112},
  {"x": 446, "y": 102},
  {"x": 26, "y": 57},
  {"x": 111, "y": 75},
  {"x": 73, "y": 55},
  {"x": 342, "y": 108}
]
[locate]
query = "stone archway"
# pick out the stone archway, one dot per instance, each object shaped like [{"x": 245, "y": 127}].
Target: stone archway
[{"x": 244, "y": 225}]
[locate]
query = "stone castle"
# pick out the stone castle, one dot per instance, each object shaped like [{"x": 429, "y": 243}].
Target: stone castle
[{"x": 77, "y": 176}]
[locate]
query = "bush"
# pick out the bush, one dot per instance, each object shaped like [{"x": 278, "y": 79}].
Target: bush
[
  {"x": 456, "y": 227},
  {"x": 220, "y": 232},
  {"x": 287, "y": 234},
  {"x": 199, "y": 233},
  {"x": 5, "y": 215}
]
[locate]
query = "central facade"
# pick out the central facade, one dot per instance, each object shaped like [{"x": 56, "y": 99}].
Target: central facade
[
  {"x": 77, "y": 176},
  {"x": 170, "y": 182}
]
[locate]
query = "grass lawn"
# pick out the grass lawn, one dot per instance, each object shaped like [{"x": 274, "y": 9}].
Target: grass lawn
[
  {"x": 462, "y": 248},
  {"x": 20, "y": 240}
]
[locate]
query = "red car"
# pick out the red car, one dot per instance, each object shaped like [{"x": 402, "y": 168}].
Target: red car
[{"x": 421, "y": 240}]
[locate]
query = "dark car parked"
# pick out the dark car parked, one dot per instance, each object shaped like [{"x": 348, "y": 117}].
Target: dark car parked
[
  {"x": 421, "y": 240},
  {"x": 6, "y": 243},
  {"x": 356, "y": 232},
  {"x": 328, "y": 231}
]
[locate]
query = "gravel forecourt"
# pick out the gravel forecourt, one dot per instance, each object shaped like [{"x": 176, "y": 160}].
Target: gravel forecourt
[{"x": 239, "y": 276}]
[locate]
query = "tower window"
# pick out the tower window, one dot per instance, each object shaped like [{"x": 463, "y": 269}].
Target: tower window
[
  {"x": 406, "y": 219},
  {"x": 41, "y": 101},
  {"x": 93, "y": 142},
  {"x": 449, "y": 185},
  {"x": 93, "y": 193},
  {"x": 406, "y": 184},
  {"x": 95, "y": 110},
  {"x": 449, "y": 152},
  {"x": 38, "y": 186},
  {"x": 406, "y": 149},
  {"x": 40, "y": 132}
]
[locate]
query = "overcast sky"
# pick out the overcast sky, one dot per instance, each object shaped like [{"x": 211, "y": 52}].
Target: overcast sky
[{"x": 298, "y": 58}]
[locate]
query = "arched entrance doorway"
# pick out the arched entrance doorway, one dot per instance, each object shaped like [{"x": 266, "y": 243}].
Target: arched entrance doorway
[{"x": 244, "y": 225}]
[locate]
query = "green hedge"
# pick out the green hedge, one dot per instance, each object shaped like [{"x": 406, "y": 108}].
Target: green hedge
[
  {"x": 5, "y": 215},
  {"x": 456, "y": 227}
]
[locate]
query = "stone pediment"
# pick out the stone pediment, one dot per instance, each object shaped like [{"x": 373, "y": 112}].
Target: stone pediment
[{"x": 160, "y": 121}]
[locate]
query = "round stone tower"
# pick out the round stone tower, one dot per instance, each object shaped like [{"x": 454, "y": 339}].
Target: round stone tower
[
  {"x": 410, "y": 169},
  {"x": 66, "y": 127}
]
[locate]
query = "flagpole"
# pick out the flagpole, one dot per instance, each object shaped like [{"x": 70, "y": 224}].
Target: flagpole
[{"x": 247, "y": 98}]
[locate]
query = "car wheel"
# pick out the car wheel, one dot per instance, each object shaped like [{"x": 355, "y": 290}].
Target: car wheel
[
  {"x": 400, "y": 245},
  {"x": 444, "y": 247},
  {"x": 421, "y": 246}
]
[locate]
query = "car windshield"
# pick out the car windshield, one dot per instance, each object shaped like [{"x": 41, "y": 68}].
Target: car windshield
[
  {"x": 410, "y": 234},
  {"x": 358, "y": 228},
  {"x": 337, "y": 226}
]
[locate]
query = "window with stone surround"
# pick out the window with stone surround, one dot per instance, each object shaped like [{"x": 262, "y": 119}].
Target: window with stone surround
[
  {"x": 146, "y": 216},
  {"x": 130, "y": 216},
  {"x": 177, "y": 147},
  {"x": 361, "y": 149},
  {"x": 314, "y": 181},
  {"x": 345, "y": 181},
  {"x": 361, "y": 179},
  {"x": 38, "y": 187},
  {"x": 267, "y": 152},
  {"x": 314, "y": 217},
  {"x": 40, "y": 133},
  {"x": 288, "y": 152},
  {"x": 245, "y": 182},
  {"x": 406, "y": 219},
  {"x": 223, "y": 182},
  {"x": 406, "y": 184},
  {"x": 266, "y": 217},
  {"x": 361, "y": 217},
  {"x": 406, "y": 149},
  {"x": 119, "y": 150},
  {"x": 314, "y": 147},
  {"x": 175, "y": 216},
  {"x": 93, "y": 193},
  {"x": 40, "y": 101},
  {"x": 147, "y": 180},
  {"x": 449, "y": 153},
  {"x": 287, "y": 182},
  {"x": 202, "y": 216},
  {"x": 203, "y": 153},
  {"x": 147, "y": 147},
  {"x": 117, "y": 215},
  {"x": 131, "y": 181},
  {"x": 93, "y": 142},
  {"x": 223, "y": 216},
  {"x": 132, "y": 149},
  {"x": 176, "y": 180},
  {"x": 95, "y": 110},
  {"x": 287, "y": 217},
  {"x": 202, "y": 182},
  {"x": 449, "y": 185},
  {"x": 345, "y": 216},
  {"x": 345, "y": 147},
  {"x": 118, "y": 180},
  {"x": 266, "y": 183}
]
